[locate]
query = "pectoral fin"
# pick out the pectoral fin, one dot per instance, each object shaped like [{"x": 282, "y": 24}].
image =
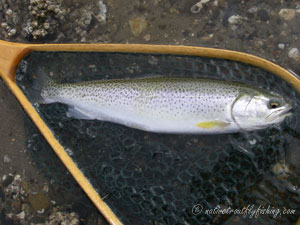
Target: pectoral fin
[
  {"x": 79, "y": 113},
  {"x": 213, "y": 124}
]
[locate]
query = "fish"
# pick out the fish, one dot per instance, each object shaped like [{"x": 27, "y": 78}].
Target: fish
[{"x": 169, "y": 105}]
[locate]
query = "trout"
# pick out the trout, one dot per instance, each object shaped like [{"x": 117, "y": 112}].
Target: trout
[{"x": 170, "y": 105}]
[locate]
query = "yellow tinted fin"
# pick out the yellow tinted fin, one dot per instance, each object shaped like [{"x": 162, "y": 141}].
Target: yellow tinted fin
[{"x": 212, "y": 124}]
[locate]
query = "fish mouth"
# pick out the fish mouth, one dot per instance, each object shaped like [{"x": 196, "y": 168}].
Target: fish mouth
[
  {"x": 280, "y": 114},
  {"x": 287, "y": 111}
]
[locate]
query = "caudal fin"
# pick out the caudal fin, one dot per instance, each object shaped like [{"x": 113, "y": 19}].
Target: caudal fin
[{"x": 41, "y": 81}]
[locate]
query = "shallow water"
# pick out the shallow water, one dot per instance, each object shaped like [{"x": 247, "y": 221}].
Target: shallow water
[{"x": 162, "y": 176}]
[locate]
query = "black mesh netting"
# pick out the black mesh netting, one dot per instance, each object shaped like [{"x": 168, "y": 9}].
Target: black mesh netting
[{"x": 149, "y": 178}]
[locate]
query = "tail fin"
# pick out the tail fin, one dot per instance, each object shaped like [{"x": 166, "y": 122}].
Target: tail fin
[{"x": 40, "y": 82}]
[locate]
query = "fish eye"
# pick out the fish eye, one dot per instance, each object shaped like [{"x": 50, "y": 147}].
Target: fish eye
[{"x": 273, "y": 104}]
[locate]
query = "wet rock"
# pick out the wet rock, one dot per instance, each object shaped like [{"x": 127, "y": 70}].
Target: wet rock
[
  {"x": 287, "y": 14},
  {"x": 252, "y": 10},
  {"x": 7, "y": 180},
  {"x": 101, "y": 16},
  {"x": 45, "y": 18},
  {"x": 85, "y": 19},
  {"x": 88, "y": 19},
  {"x": 235, "y": 19},
  {"x": 294, "y": 53},
  {"x": 281, "y": 46},
  {"x": 45, "y": 188},
  {"x": 282, "y": 170},
  {"x": 207, "y": 38},
  {"x": 9, "y": 12},
  {"x": 11, "y": 184},
  {"x": 198, "y": 6},
  {"x": 9, "y": 23},
  {"x": 137, "y": 25},
  {"x": 21, "y": 215},
  {"x": 63, "y": 218},
  {"x": 39, "y": 201},
  {"x": 147, "y": 37},
  {"x": 17, "y": 179},
  {"x": 6, "y": 159}
]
